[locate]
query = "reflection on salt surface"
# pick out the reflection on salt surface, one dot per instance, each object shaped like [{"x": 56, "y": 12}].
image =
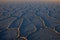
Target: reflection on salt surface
[{"x": 39, "y": 20}]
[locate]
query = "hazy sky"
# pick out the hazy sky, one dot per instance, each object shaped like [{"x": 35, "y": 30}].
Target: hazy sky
[{"x": 29, "y": 0}]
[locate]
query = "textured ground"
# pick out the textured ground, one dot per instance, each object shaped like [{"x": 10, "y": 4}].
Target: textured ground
[{"x": 30, "y": 21}]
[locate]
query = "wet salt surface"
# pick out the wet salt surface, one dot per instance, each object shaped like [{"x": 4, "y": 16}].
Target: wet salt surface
[{"x": 33, "y": 21}]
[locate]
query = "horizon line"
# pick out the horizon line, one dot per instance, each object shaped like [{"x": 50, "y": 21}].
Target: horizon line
[{"x": 4, "y": 1}]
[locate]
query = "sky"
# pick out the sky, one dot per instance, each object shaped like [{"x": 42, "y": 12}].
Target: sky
[{"x": 28, "y": 0}]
